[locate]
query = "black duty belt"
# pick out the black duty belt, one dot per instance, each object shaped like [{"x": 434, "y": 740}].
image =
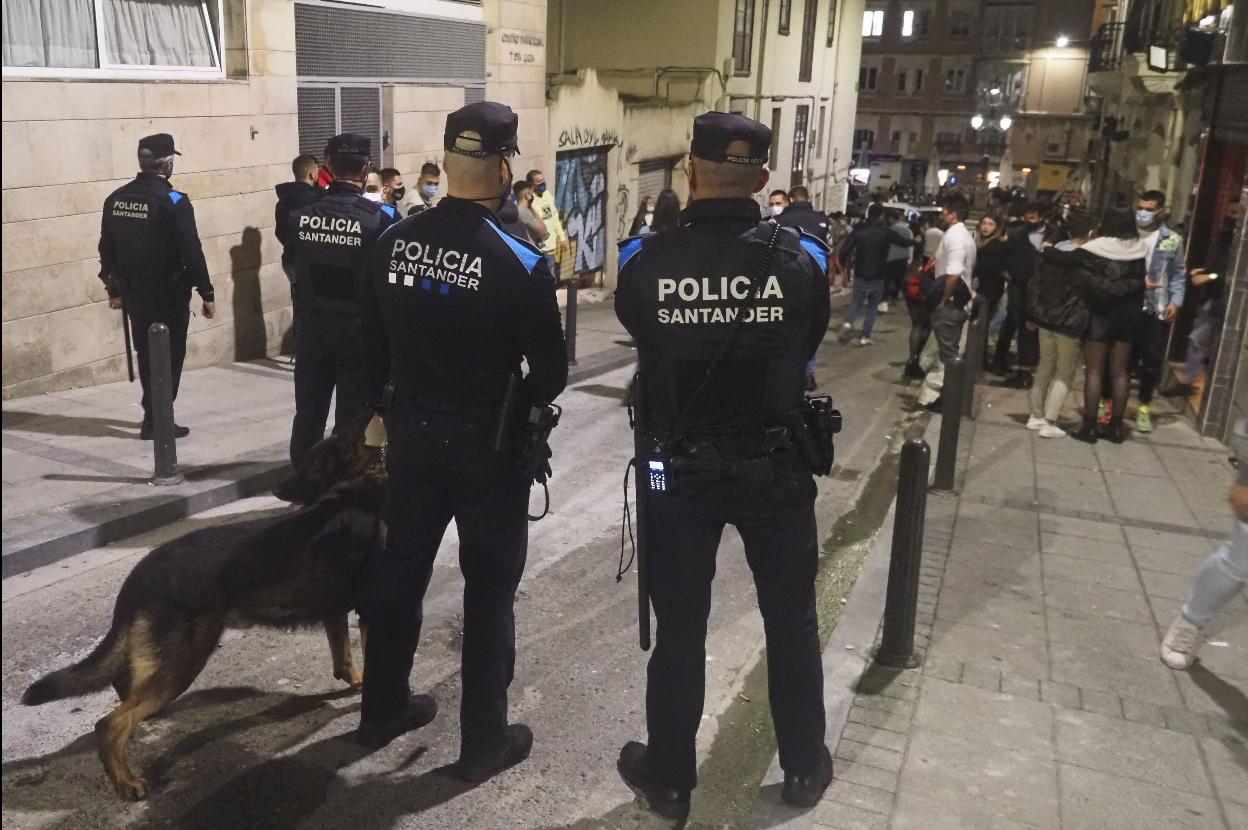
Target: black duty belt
[{"x": 437, "y": 405}]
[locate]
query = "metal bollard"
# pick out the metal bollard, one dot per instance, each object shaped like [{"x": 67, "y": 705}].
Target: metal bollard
[
  {"x": 900, "y": 605},
  {"x": 975, "y": 345},
  {"x": 950, "y": 423},
  {"x": 569, "y": 326},
  {"x": 160, "y": 385}
]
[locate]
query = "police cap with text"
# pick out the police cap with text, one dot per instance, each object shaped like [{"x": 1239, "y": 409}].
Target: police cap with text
[
  {"x": 495, "y": 124},
  {"x": 159, "y": 145},
  {"x": 715, "y": 132},
  {"x": 349, "y": 144}
]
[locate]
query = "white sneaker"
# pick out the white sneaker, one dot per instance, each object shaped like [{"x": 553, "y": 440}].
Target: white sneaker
[
  {"x": 847, "y": 326},
  {"x": 882, "y": 308},
  {"x": 1178, "y": 650},
  {"x": 1034, "y": 423},
  {"x": 864, "y": 341},
  {"x": 1052, "y": 431}
]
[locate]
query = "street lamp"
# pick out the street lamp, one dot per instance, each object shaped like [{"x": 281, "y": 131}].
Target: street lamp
[
  {"x": 977, "y": 121},
  {"x": 1062, "y": 41},
  {"x": 1005, "y": 123}
]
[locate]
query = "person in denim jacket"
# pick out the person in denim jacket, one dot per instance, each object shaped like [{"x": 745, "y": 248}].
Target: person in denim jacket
[{"x": 1166, "y": 287}]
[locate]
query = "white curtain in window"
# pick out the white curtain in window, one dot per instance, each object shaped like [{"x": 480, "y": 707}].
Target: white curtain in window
[
  {"x": 55, "y": 33},
  {"x": 157, "y": 33}
]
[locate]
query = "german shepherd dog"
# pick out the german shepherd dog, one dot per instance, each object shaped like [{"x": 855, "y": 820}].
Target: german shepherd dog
[{"x": 297, "y": 569}]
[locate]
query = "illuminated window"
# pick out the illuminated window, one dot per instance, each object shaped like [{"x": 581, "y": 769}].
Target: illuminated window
[
  {"x": 907, "y": 23},
  {"x": 873, "y": 23}
]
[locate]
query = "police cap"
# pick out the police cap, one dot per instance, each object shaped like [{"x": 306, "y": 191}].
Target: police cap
[
  {"x": 714, "y": 132},
  {"x": 159, "y": 145},
  {"x": 495, "y": 124},
  {"x": 349, "y": 144}
]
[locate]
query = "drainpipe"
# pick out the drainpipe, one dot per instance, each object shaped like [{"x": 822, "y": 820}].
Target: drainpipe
[{"x": 762, "y": 61}]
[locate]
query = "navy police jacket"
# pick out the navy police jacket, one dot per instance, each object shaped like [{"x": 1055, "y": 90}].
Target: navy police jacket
[
  {"x": 452, "y": 303},
  {"x": 680, "y": 293},
  {"x": 149, "y": 246},
  {"x": 332, "y": 238}
]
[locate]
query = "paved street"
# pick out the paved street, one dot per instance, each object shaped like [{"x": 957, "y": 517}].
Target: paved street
[{"x": 258, "y": 741}]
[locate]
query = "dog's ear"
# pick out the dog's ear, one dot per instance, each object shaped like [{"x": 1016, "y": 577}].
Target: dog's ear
[{"x": 366, "y": 491}]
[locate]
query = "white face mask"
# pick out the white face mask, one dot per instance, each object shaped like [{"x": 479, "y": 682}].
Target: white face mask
[
  {"x": 776, "y": 210},
  {"x": 373, "y": 196}
]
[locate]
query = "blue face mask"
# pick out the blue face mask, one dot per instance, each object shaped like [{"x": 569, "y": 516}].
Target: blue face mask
[
  {"x": 1144, "y": 219},
  {"x": 541, "y": 189},
  {"x": 429, "y": 191}
]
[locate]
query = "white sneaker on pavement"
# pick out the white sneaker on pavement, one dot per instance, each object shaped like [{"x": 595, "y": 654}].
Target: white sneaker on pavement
[
  {"x": 1034, "y": 423},
  {"x": 882, "y": 308},
  {"x": 864, "y": 341},
  {"x": 1052, "y": 431},
  {"x": 847, "y": 326},
  {"x": 1178, "y": 649}
]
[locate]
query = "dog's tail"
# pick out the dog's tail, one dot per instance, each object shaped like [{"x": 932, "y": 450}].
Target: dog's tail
[{"x": 91, "y": 674}]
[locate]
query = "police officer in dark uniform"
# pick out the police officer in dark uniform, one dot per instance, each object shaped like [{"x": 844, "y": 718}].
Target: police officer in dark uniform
[
  {"x": 452, "y": 305},
  {"x": 727, "y": 438},
  {"x": 333, "y": 237},
  {"x": 150, "y": 256}
]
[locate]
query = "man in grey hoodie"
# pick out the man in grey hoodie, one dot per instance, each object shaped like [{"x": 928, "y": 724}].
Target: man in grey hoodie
[{"x": 1223, "y": 575}]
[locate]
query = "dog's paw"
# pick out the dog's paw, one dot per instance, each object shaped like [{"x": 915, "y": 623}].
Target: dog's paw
[
  {"x": 131, "y": 789},
  {"x": 352, "y": 676}
]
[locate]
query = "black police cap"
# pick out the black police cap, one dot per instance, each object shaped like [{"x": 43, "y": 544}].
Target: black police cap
[
  {"x": 159, "y": 145},
  {"x": 713, "y": 132},
  {"x": 349, "y": 144},
  {"x": 494, "y": 122}
]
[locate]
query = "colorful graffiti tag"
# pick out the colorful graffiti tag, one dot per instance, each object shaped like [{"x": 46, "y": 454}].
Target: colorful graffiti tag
[{"x": 581, "y": 195}]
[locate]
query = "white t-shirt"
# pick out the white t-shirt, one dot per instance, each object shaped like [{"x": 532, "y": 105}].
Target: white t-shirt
[
  {"x": 1150, "y": 244},
  {"x": 956, "y": 254},
  {"x": 931, "y": 241}
]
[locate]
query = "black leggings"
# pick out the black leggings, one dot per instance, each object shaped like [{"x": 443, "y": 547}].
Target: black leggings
[
  {"x": 920, "y": 325},
  {"x": 1100, "y": 357}
]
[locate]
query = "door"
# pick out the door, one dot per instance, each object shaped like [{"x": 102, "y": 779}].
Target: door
[{"x": 581, "y": 196}]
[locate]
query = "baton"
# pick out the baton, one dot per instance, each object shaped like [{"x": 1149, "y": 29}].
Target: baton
[{"x": 125, "y": 329}]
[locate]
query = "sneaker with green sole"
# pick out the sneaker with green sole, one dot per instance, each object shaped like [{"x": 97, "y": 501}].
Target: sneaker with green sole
[{"x": 1143, "y": 420}]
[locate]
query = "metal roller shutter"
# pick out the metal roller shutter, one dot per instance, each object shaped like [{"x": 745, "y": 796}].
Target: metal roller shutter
[
  {"x": 318, "y": 118},
  {"x": 360, "y": 113},
  {"x": 655, "y": 177}
]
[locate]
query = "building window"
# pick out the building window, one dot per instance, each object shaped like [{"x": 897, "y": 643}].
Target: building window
[
  {"x": 831, "y": 23},
  {"x": 818, "y": 137},
  {"x": 894, "y": 144},
  {"x": 961, "y": 18},
  {"x": 916, "y": 21},
  {"x": 1006, "y": 28},
  {"x": 775, "y": 137},
  {"x": 864, "y": 140},
  {"x": 907, "y": 23},
  {"x": 873, "y": 23},
  {"x": 901, "y": 81},
  {"x": 90, "y": 37},
  {"x": 955, "y": 81},
  {"x": 867, "y": 78},
  {"x": 786, "y": 13},
  {"x": 743, "y": 37},
  {"x": 801, "y": 126},
  {"x": 948, "y": 138},
  {"x": 918, "y": 80},
  {"x": 810, "y": 15}
]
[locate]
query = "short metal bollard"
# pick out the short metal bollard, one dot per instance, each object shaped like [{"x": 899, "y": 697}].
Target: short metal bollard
[
  {"x": 901, "y": 603},
  {"x": 569, "y": 326},
  {"x": 950, "y": 423},
  {"x": 160, "y": 384}
]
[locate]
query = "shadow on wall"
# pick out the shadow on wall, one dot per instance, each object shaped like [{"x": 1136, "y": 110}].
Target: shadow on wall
[{"x": 249, "y": 331}]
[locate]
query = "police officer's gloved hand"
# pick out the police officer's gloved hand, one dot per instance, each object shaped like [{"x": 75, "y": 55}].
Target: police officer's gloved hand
[{"x": 698, "y": 467}]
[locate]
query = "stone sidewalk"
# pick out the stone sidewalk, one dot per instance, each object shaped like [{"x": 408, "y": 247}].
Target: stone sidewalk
[
  {"x": 76, "y": 475},
  {"x": 1048, "y": 581}
]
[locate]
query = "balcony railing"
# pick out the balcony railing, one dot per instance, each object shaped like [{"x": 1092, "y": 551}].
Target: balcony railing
[{"x": 1107, "y": 48}]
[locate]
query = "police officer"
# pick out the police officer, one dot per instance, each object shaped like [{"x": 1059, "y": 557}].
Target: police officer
[
  {"x": 332, "y": 237},
  {"x": 452, "y": 305},
  {"x": 150, "y": 257},
  {"x": 682, "y": 295}
]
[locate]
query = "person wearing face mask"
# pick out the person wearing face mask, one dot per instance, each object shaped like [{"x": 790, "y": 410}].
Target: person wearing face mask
[
  {"x": 452, "y": 306},
  {"x": 644, "y": 219},
  {"x": 1166, "y": 287},
  {"x": 150, "y": 257},
  {"x": 392, "y": 189},
  {"x": 1023, "y": 244},
  {"x": 333, "y": 235},
  {"x": 426, "y": 187},
  {"x": 546, "y": 209},
  {"x": 777, "y": 203}
]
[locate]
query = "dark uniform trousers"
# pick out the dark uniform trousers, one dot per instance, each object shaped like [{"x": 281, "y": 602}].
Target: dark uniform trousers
[
  {"x": 170, "y": 306},
  {"x": 1015, "y": 325},
  {"x": 441, "y": 467},
  {"x": 782, "y": 550},
  {"x": 330, "y": 357}
]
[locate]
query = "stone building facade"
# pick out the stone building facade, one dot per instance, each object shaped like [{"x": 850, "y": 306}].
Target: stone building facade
[{"x": 250, "y": 83}]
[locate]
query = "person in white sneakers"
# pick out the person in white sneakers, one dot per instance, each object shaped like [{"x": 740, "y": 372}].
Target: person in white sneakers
[{"x": 1222, "y": 576}]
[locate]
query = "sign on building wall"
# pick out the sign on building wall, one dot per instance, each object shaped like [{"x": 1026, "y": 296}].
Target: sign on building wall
[
  {"x": 522, "y": 48},
  {"x": 581, "y": 196}
]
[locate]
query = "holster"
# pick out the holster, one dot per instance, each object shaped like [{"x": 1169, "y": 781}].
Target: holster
[{"x": 814, "y": 424}]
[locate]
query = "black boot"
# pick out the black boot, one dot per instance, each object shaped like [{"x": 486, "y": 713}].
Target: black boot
[
  {"x": 421, "y": 709},
  {"x": 1114, "y": 432},
  {"x": 1087, "y": 433},
  {"x": 913, "y": 370},
  {"x": 517, "y": 744},
  {"x": 806, "y": 790},
  {"x": 665, "y": 801},
  {"x": 146, "y": 433}
]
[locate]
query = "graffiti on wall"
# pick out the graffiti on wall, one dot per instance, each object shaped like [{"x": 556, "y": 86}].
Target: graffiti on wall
[
  {"x": 587, "y": 137},
  {"x": 581, "y": 196},
  {"x": 622, "y": 201}
]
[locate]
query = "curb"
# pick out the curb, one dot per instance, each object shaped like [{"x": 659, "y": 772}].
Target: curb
[
  {"x": 846, "y": 657},
  {"x": 120, "y": 520}
]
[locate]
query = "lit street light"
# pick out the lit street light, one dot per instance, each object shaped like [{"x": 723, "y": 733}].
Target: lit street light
[
  {"x": 977, "y": 121},
  {"x": 1063, "y": 42},
  {"x": 1005, "y": 123}
]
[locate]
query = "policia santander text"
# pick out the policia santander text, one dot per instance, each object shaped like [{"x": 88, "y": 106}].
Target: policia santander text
[
  {"x": 452, "y": 305},
  {"x": 332, "y": 237},
  {"x": 150, "y": 256},
  {"x": 725, "y": 323}
]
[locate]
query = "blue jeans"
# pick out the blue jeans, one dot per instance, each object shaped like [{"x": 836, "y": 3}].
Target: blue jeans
[
  {"x": 870, "y": 292},
  {"x": 1204, "y": 331},
  {"x": 1221, "y": 578}
]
